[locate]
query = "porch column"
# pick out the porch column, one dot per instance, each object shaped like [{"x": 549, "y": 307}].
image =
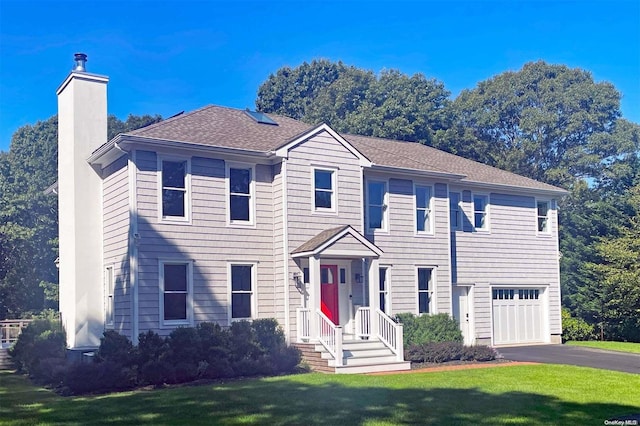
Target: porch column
[
  {"x": 374, "y": 301},
  {"x": 314, "y": 295}
]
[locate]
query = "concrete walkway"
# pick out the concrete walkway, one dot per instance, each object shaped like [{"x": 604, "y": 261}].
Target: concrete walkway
[{"x": 574, "y": 355}]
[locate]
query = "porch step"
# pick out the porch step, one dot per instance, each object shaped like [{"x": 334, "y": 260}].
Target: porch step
[
  {"x": 6, "y": 363},
  {"x": 359, "y": 356}
]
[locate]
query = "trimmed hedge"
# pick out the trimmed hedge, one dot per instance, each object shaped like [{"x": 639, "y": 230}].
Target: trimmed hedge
[
  {"x": 575, "y": 328},
  {"x": 429, "y": 329},
  {"x": 449, "y": 351},
  {"x": 206, "y": 351}
]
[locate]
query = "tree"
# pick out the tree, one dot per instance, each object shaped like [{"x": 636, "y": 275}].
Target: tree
[
  {"x": 29, "y": 218},
  {"x": 351, "y": 100},
  {"x": 549, "y": 122}
]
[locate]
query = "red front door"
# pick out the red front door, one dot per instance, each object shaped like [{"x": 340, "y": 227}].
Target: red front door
[{"x": 329, "y": 292}]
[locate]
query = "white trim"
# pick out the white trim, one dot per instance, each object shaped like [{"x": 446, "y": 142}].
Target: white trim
[
  {"x": 433, "y": 300},
  {"x": 385, "y": 207},
  {"x": 487, "y": 209},
  {"x": 252, "y": 194},
  {"x": 285, "y": 252},
  {"x": 352, "y": 253},
  {"x": 133, "y": 245},
  {"x": 388, "y": 302},
  {"x": 334, "y": 190},
  {"x": 109, "y": 297},
  {"x": 549, "y": 231},
  {"x": 283, "y": 151},
  {"x": 186, "y": 219},
  {"x": 430, "y": 208},
  {"x": 253, "y": 293},
  {"x": 189, "y": 299}
]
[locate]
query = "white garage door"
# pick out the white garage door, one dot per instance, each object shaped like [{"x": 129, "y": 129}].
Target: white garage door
[{"x": 517, "y": 315}]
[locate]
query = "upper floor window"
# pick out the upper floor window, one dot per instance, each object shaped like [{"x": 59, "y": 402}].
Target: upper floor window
[
  {"x": 109, "y": 308},
  {"x": 377, "y": 217},
  {"x": 543, "y": 216},
  {"x": 324, "y": 189},
  {"x": 175, "y": 189},
  {"x": 242, "y": 291},
  {"x": 481, "y": 212},
  {"x": 424, "y": 222},
  {"x": 455, "y": 212},
  {"x": 175, "y": 292},
  {"x": 241, "y": 196},
  {"x": 425, "y": 291}
]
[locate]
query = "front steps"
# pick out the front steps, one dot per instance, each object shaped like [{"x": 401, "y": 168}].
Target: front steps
[
  {"x": 6, "y": 363},
  {"x": 359, "y": 356}
]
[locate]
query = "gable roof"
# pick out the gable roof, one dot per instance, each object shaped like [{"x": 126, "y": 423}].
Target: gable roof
[
  {"x": 326, "y": 238},
  {"x": 228, "y": 128}
]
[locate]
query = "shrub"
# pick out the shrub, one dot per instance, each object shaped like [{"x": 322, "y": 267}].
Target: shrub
[
  {"x": 41, "y": 339},
  {"x": 101, "y": 377},
  {"x": 429, "y": 329},
  {"x": 575, "y": 328},
  {"x": 116, "y": 348},
  {"x": 436, "y": 352},
  {"x": 478, "y": 353},
  {"x": 150, "y": 347}
]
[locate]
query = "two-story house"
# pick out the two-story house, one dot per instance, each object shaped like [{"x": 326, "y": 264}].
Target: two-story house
[{"x": 223, "y": 214}]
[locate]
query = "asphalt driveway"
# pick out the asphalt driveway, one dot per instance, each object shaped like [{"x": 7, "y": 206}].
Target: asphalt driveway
[{"x": 574, "y": 355}]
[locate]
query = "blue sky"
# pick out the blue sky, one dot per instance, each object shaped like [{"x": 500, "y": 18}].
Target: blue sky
[{"x": 164, "y": 57}]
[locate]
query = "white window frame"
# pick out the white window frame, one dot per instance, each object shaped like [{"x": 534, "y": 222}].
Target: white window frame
[
  {"x": 251, "y": 196},
  {"x": 485, "y": 212},
  {"x": 458, "y": 210},
  {"x": 385, "y": 207},
  {"x": 334, "y": 190},
  {"x": 429, "y": 229},
  {"x": 109, "y": 298},
  {"x": 432, "y": 291},
  {"x": 546, "y": 231},
  {"x": 187, "y": 190},
  {"x": 252, "y": 292},
  {"x": 189, "y": 299},
  {"x": 387, "y": 291}
]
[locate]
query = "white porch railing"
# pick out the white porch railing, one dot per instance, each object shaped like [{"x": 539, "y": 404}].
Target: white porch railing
[
  {"x": 387, "y": 330},
  {"x": 330, "y": 336},
  {"x": 390, "y": 333},
  {"x": 10, "y": 330},
  {"x": 304, "y": 324},
  {"x": 363, "y": 322}
]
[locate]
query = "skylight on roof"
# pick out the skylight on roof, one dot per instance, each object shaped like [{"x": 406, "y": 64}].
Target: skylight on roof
[{"x": 261, "y": 117}]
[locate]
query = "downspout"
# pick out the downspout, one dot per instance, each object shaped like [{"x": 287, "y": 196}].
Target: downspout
[{"x": 285, "y": 254}]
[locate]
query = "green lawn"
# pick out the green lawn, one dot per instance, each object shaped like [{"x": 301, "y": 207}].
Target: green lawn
[
  {"x": 611, "y": 346},
  {"x": 539, "y": 394}
]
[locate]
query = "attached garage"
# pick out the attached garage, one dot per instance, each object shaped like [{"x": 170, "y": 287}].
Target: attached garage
[{"x": 518, "y": 316}]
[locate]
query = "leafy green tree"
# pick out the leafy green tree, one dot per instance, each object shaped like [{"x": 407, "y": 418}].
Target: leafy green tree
[
  {"x": 549, "y": 122},
  {"x": 352, "y": 100},
  {"x": 29, "y": 217}
]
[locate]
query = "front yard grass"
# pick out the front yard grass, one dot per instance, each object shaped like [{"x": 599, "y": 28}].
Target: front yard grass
[
  {"x": 610, "y": 346},
  {"x": 522, "y": 394}
]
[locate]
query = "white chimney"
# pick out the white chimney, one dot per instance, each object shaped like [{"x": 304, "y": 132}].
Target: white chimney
[{"x": 82, "y": 128}]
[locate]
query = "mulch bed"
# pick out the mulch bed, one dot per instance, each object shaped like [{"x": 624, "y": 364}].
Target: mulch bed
[{"x": 432, "y": 367}]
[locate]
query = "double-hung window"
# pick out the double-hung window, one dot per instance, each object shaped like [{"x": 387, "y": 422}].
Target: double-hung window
[
  {"x": 377, "y": 217},
  {"x": 240, "y": 196},
  {"x": 109, "y": 305},
  {"x": 455, "y": 212},
  {"x": 175, "y": 189},
  {"x": 481, "y": 212},
  {"x": 383, "y": 289},
  {"x": 424, "y": 221},
  {"x": 425, "y": 291},
  {"x": 242, "y": 291},
  {"x": 324, "y": 190},
  {"x": 542, "y": 208},
  {"x": 175, "y": 292}
]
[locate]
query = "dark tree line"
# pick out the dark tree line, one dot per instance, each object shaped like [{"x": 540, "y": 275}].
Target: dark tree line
[{"x": 29, "y": 217}]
